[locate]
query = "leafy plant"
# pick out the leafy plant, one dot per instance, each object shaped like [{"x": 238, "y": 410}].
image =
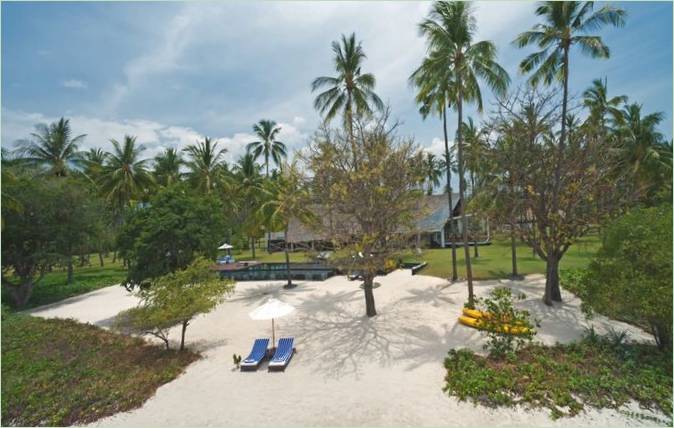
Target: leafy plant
[
  {"x": 59, "y": 372},
  {"x": 630, "y": 278},
  {"x": 175, "y": 299},
  {"x": 565, "y": 379},
  {"x": 503, "y": 321}
]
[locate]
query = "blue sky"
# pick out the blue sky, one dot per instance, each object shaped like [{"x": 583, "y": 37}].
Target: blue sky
[{"x": 173, "y": 72}]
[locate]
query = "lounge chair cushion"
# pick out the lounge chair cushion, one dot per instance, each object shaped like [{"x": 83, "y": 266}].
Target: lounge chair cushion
[
  {"x": 257, "y": 354},
  {"x": 283, "y": 353}
]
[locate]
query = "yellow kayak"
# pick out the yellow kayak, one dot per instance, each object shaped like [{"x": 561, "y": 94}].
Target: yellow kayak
[
  {"x": 480, "y": 315},
  {"x": 480, "y": 324}
]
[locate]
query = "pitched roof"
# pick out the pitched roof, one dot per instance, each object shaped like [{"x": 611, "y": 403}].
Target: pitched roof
[{"x": 434, "y": 213}]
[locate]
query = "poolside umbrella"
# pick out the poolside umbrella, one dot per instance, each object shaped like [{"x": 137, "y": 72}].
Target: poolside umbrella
[
  {"x": 274, "y": 308},
  {"x": 227, "y": 247}
]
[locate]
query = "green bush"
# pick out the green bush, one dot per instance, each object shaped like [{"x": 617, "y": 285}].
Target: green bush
[
  {"x": 501, "y": 309},
  {"x": 630, "y": 278},
  {"x": 600, "y": 372}
]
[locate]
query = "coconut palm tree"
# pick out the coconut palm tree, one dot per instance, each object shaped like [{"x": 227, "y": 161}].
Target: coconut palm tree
[
  {"x": 476, "y": 148},
  {"x": 449, "y": 30},
  {"x": 204, "y": 164},
  {"x": 474, "y": 158},
  {"x": 53, "y": 147},
  {"x": 286, "y": 198},
  {"x": 267, "y": 146},
  {"x": 350, "y": 91},
  {"x": 642, "y": 148},
  {"x": 249, "y": 184},
  {"x": 433, "y": 168},
  {"x": 601, "y": 107},
  {"x": 167, "y": 167},
  {"x": 125, "y": 177},
  {"x": 566, "y": 23},
  {"x": 433, "y": 81},
  {"x": 92, "y": 160}
]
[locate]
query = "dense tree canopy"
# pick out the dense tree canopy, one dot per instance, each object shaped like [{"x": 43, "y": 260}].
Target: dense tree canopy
[{"x": 176, "y": 227}]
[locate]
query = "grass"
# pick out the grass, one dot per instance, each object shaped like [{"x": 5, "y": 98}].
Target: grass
[
  {"x": 59, "y": 372},
  {"x": 53, "y": 286},
  {"x": 493, "y": 262},
  {"x": 596, "y": 372}
]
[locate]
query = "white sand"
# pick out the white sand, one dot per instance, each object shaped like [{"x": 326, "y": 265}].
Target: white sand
[{"x": 349, "y": 370}]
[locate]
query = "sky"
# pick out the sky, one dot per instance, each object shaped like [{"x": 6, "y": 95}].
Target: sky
[{"x": 171, "y": 73}]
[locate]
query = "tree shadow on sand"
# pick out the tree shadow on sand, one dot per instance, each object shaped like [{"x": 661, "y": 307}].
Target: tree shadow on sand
[
  {"x": 338, "y": 340},
  {"x": 256, "y": 294}
]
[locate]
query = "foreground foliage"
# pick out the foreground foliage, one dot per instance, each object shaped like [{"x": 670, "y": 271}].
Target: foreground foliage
[
  {"x": 500, "y": 305},
  {"x": 630, "y": 278},
  {"x": 60, "y": 372},
  {"x": 601, "y": 372},
  {"x": 175, "y": 299},
  {"x": 170, "y": 233}
]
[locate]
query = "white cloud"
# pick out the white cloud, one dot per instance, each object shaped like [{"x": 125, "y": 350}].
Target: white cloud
[
  {"x": 154, "y": 136},
  {"x": 74, "y": 84}
]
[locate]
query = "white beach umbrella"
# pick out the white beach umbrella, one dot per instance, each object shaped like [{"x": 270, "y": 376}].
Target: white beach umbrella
[
  {"x": 225, "y": 246},
  {"x": 273, "y": 308}
]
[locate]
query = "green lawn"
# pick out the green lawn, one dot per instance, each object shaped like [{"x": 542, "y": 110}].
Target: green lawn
[
  {"x": 60, "y": 372},
  {"x": 53, "y": 286},
  {"x": 493, "y": 262}
]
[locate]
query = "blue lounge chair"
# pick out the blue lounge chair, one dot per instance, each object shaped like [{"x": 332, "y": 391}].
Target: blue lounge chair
[
  {"x": 257, "y": 354},
  {"x": 283, "y": 354}
]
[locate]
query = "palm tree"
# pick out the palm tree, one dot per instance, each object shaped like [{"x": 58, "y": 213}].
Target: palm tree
[
  {"x": 476, "y": 148},
  {"x": 167, "y": 167},
  {"x": 267, "y": 146},
  {"x": 204, "y": 163},
  {"x": 643, "y": 150},
  {"x": 435, "y": 91},
  {"x": 601, "y": 107},
  {"x": 249, "y": 184},
  {"x": 566, "y": 23},
  {"x": 286, "y": 198},
  {"x": 125, "y": 177},
  {"x": 93, "y": 161},
  {"x": 449, "y": 30},
  {"x": 350, "y": 91},
  {"x": 54, "y": 147},
  {"x": 433, "y": 169}
]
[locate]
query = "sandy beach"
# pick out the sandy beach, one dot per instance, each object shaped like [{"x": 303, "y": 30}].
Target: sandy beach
[{"x": 348, "y": 370}]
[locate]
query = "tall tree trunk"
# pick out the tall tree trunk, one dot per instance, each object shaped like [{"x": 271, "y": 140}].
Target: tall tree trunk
[
  {"x": 266, "y": 162},
  {"x": 252, "y": 246},
  {"x": 290, "y": 280},
  {"x": 513, "y": 249},
  {"x": 552, "y": 291},
  {"x": 100, "y": 258},
  {"x": 370, "y": 309},
  {"x": 20, "y": 292},
  {"x": 114, "y": 256},
  {"x": 182, "y": 335},
  {"x": 462, "y": 195},
  {"x": 70, "y": 270},
  {"x": 472, "y": 194},
  {"x": 449, "y": 193}
]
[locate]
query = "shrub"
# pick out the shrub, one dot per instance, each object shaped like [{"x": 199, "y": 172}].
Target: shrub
[
  {"x": 175, "y": 299},
  {"x": 499, "y": 305},
  {"x": 630, "y": 278},
  {"x": 601, "y": 372}
]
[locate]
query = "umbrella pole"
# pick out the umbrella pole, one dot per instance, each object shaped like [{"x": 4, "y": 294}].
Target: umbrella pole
[{"x": 273, "y": 336}]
